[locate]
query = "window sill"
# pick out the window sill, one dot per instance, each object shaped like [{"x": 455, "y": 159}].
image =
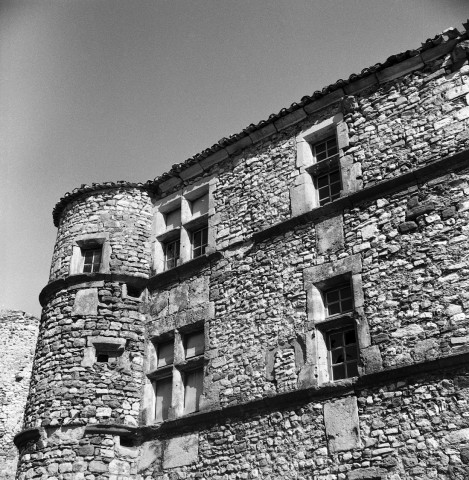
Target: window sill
[{"x": 181, "y": 271}]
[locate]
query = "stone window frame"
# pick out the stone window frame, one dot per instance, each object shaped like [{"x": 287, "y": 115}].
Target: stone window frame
[
  {"x": 97, "y": 344},
  {"x": 126, "y": 296},
  {"x": 319, "y": 279},
  {"x": 87, "y": 241},
  {"x": 177, "y": 370},
  {"x": 304, "y": 195},
  {"x": 189, "y": 222}
]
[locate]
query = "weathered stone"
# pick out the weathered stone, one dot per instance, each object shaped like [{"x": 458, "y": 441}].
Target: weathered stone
[
  {"x": 86, "y": 302},
  {"x": 330, "y": 234},
  {"x": 407, "y": 227},
  {"x": 372, "y": 473},
  {"x": 341, "y": 424},
  {"x": 182, "y": 450}
]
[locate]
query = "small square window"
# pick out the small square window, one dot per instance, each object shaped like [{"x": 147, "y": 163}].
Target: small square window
[
  {"x": 163, "y": 392},
  {"x": 193, "y": 384},
  {"x": 343, "y": 353},
  {"x": 326, "y": 149},
  {"x": 338, "y": 300},
  {"x": 171, "y": 254},
  {"x": 199, "y": 242},
  {"x": 91, "y": 259},
  {"x": 194, "y": 344}
]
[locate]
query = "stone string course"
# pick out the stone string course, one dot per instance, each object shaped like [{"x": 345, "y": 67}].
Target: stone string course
[{"x": 264, "y": 412}]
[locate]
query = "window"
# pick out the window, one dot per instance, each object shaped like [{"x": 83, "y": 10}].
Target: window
[
  {"x": 171, "y": 254},
  {"x": 90, "y": 254},
  {"x": 163, "y": 379},
  {"x": 91, "y": 259},
  {"x": 193, "y": 383},
  {"x": 326, "y": 171},
  {"x": 342, "y": 342},
  {"x": 178, "y": 373},
  {"x": 326, "y": 149},
  {"x": 183, "y": 225},
  {"x": 199, "y": 242},
  {"x": 338, "y": 300},
  {"x": 163, "y": 393},
  {"x": 343, "y": 353}
]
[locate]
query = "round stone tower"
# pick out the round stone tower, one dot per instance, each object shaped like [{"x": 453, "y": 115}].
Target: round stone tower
[{"x": 85, "y": 392}]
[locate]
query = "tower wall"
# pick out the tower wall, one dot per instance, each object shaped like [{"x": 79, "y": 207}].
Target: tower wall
[{"x": 88, "y": 363}]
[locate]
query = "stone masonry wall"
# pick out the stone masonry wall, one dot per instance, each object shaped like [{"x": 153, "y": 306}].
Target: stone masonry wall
[
  {"x": 18, "y": 332},
  {"x": 124, "y": 214},
  {"x": 63, "y": 390},
  {"x": 415, "y": 428}
]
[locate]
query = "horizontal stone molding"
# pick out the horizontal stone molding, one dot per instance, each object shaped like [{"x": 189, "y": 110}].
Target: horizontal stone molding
[
  {"x": 380, "y": 189},
  {"x": 90, "y": 280},
  {"x": 182, "y": 271},
  {"x": 292, "y": 398}
]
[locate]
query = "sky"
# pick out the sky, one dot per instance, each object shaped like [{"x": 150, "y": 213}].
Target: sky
[{"x": 105, "y": 90}]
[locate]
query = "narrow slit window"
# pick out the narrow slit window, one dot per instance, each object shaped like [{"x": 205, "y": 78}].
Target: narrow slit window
[
  {"x": 92, "y": 259},
  {"x": 199, "y": 242}
]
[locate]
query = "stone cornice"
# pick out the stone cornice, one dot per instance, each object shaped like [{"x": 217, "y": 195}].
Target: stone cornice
[{"x": 87, "y": 280}]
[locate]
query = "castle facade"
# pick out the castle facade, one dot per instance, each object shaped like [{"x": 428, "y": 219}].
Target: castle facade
[{"x": 291, "y": 303}]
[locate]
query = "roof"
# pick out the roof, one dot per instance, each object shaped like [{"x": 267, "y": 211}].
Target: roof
[{"x": 379, "y": 73}]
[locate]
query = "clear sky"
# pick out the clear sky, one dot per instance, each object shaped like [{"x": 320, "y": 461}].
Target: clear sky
[{"x": 99, "y": 90}]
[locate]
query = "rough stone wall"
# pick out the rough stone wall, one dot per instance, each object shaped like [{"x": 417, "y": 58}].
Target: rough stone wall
[
  {"x": 410, "y": 122},
  {"x": 125, "y": 214},
  {"x": 411, "y": 428},
  {"x": 63, "y": 390},
  {"x": 18, "y": 332}
]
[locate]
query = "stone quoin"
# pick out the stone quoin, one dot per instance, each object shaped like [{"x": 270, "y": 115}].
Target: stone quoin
[{"x": 291, "y": 303}]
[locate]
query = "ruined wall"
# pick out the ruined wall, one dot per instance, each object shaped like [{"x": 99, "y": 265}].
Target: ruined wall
[{"x": 18, "y": 332}]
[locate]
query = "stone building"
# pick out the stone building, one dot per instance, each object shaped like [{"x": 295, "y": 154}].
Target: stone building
[
  {"x": 18, "y": 334},
  {"x": 291, "y": 303}
]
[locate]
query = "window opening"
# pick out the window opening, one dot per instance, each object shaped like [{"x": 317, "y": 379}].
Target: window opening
[
  {"x": 163, "y": 393},
  {"x": 171, "y": 254},
  {"x": 91, "y": 259},
  {"x": 165, "y": 353},
  {"x": 326, "y": 149},
  {"x": 133, "y": 291},
  {"x": 193, "y": 384},
  {"x": 343, "y": 353},
  {"x": 194, "y": 344},
  {"x": 338, "y": 300},
  {"x": 102, "y": 357},
  {"x": 199, "y": 242}
]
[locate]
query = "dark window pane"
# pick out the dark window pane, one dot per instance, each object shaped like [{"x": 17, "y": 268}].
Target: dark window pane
[
  {"x": 352, "y": 370},
  {"x": 347, "y": 305},
  {"x": 338, "y": 372},
  {"x": 333, "y": 309},
  {"x": 350, "y": 353},
  {"x": 334, "y": 177},
  {"x": 199, "y": 242},
  {"x": 323, "y": 181},
  {"x": 165, "y": 352},
  {"x": 332, "y": 296},
  {"x": 163, "y": 390},
  {"x": 337, "y": 356},
  {"x": 350, "y": 337},
  {"x": 335, "y": 340}
]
